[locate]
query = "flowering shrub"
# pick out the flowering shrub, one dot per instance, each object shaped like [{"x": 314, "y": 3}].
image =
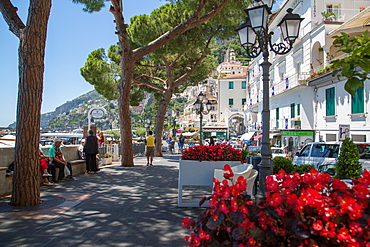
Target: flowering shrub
[
  {"x": 106, "y": 155},
  {"x": 308, "y": 210},
  {"x": 212, "y": 153}
]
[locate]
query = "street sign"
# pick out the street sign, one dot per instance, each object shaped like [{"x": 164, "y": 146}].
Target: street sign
[
  {"x": 97, "y": 113},
  {"x": 344, "y": 131}
]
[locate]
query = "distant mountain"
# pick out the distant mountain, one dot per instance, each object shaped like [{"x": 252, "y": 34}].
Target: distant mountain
[{"x": 92, "y": 95}]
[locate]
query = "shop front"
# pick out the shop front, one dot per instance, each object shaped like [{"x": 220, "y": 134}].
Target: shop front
[
  {"x": 294, "y": 140},
  {"x": 220, "y": 133}
]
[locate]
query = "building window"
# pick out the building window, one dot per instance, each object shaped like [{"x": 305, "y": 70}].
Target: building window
[
  {"x": 334, "y": 8},
  {"x": 358, "y": 101},
  {"x": 231, "y": 85},
  {"x": 243, "y": 101},
  {"x": 292, "y": 110},
  {"x": 244, "y": 84},
  {"x": 277, "y": 115},
  {"x": 330, "y": 101},
  {"x": 298, "y": 109},
  {"x": 231, "y": 101}
]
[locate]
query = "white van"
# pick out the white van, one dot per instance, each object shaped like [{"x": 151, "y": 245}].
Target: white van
[{"x": 317, "y": 153}]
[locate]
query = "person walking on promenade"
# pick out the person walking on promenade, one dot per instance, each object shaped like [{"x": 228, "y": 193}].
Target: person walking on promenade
[
  {"x": 91, "y": 149},
  {"x": 150, "y": 144},
  {"x": 181, "y": 143}
]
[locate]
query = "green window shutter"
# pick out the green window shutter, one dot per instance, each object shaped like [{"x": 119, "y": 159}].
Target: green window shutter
[
  {"x": 292, "y": 110},
  {"x": 330, "y": 101},
  {"x": 231, "y": 85},
  {"x": 277, "y": 117},
  {"x": 298, "y": 109},
  {"x": 243, "y": 101},
  {"x": 244, "y": 84},
  {"x": 358, "y": 102},
  {"x": 231, "y": 101}
]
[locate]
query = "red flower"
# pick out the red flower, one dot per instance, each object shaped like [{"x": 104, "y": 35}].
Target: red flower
[
  {"x": 317, "y": 226},
  {"x": 203, "y": 235},
  {"x": 252, "y": 242},
  {"x": 343, "y": 234}
]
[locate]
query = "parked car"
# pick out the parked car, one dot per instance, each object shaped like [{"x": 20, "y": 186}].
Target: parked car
[
  {"x": 254, "y": 149},
  {"x": 237, "y": 146},
  {"x": 319, "y": 153},
  {"x": 278, "y": 152}
]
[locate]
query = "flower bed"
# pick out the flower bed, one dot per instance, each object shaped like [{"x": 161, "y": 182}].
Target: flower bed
[
  {"x": 196, "y": 168},
  {"x": 221, "y": 152},
  {"x": 308, "y": 210}
]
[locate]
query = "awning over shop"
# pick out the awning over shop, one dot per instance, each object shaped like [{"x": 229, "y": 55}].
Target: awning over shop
[
  {"x": 247, "y": 136},
  {"x": 189, "y": 133},
  {"x": 359, "y": 22},
  {"x": 257, "y": 137}
]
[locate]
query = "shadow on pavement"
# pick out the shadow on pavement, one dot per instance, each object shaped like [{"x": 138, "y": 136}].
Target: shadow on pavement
[{"x": 119, "y": 206}]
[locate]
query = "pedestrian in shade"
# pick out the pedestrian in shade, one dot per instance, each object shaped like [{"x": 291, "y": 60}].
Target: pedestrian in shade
[{"x": 91, "y": 149}]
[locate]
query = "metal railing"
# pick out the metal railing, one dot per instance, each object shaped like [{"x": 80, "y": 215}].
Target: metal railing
[{"x": 115, "y": 150}]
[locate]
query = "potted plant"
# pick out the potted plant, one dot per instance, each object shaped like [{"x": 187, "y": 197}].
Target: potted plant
[
  {"x": 348, "y": 165},
  {"x": 106, "y": 159},
  {"x": 197, "y": 165},
  {"x": 300, "y": 210},
  {"x": 328, "y": 16}
]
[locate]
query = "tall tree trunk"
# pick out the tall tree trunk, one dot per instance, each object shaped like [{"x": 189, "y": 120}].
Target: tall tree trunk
[
  {"x": 124, "y": 87},
  {"x": 26, "y": 180},
  {"x": 163, "y": 104}
]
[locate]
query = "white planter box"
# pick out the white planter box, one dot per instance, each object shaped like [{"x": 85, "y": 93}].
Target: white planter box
[
  {"x": 196, "y": 173},
  {"x": 106, "y": 161}
]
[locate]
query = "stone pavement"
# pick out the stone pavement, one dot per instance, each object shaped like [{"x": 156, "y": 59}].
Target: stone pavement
[{"x": 118, "y": 206}]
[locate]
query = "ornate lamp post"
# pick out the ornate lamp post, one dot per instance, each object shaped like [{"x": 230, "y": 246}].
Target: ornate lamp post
[
  {"x": 147, "y": 124},
  {"x": 256, "y": 39},
  {"x": 202, "y": 109}
]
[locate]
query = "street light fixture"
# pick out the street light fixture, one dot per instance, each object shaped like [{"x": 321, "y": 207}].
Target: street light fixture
[
  {"x": 147, "y": 124},
  {"x": 202, "y": 109},
  {"x": 256, "y": 38}
]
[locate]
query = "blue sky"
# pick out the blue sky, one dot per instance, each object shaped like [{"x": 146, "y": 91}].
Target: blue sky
[{"x": 72, "y": 35}]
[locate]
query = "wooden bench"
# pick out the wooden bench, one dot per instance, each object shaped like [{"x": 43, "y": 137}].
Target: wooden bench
[{"x": 71, "y": 155}]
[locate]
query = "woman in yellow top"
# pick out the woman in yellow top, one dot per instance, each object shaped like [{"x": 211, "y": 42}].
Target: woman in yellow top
[{"x": 150, "y": 144}]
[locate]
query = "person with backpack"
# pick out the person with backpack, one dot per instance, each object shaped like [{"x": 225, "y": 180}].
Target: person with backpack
[
  {"x": 171, "y": 144},
  {"x": 181, "y": 143}
]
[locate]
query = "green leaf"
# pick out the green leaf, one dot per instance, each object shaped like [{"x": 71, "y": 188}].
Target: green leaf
[
  {"x": 256, "y": 232},
  {"x": 352, "y": 85},
  {"x": 215, "y": 221},
  {"x": 236, "y": 217},
  {"x": 239, "y": 233}
]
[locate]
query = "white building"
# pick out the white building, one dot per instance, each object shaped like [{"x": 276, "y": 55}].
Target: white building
[{"x": 298, "y": 106}]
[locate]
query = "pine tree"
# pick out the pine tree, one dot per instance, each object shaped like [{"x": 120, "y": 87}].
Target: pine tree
[{"x": 348, "y": 165}]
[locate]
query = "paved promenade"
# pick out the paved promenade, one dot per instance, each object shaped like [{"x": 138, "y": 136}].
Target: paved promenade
[{"x": 118, "y": 206}]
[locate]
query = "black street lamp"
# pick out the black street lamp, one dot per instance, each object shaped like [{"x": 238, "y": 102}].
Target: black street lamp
[
  {"x": 202, "y": 109},
  {"x": 147, "y": 124},
  {"x": 256, "y": 38}
]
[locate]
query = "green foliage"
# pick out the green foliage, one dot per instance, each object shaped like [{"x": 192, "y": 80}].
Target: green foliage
[
  {"x": 91, "y": 5},
  {"x": 219, "y": 51},
  {"x": 140, "y": 132},
  {"x": 356, "y": 66},
  {"x": 115, "y": 133},
  {"x": 348, "y": 165},
  {"x": 328, "y": 15},
  {"x": 303, "y": 168},
  {"x": 281, "y": 163},
  {"x": 103, "y": 72}
]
